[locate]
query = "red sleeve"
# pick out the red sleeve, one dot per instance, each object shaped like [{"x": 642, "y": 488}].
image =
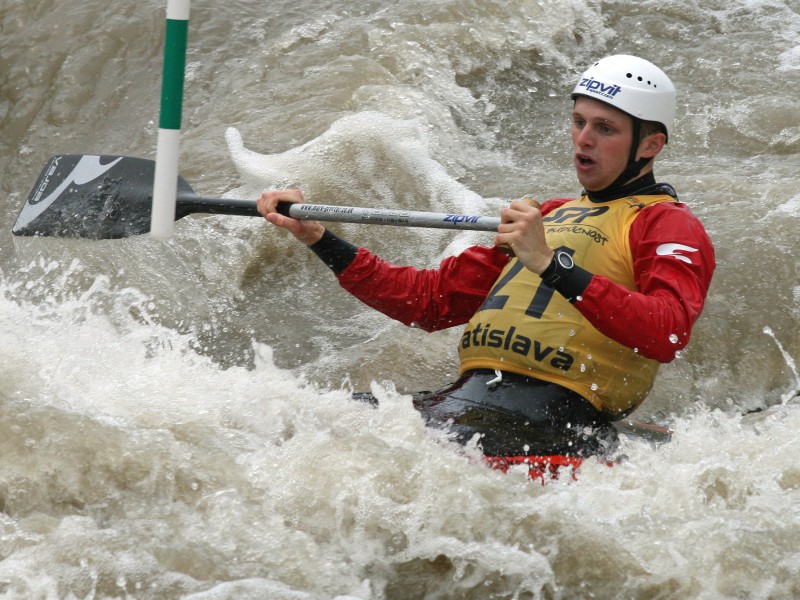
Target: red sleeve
[
  {"x": 430, "y": 299},
  {"x": 673, "y": 261}
]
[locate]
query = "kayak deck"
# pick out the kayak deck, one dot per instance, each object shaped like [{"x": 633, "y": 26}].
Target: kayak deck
[{"x": 550, "y": 467}]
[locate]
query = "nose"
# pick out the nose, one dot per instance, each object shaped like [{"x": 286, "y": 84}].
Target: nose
[{"x": 582, "y": 136}]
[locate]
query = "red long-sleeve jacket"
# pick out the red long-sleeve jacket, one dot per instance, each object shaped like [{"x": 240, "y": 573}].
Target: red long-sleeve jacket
[{"x": 673, "y": 265}]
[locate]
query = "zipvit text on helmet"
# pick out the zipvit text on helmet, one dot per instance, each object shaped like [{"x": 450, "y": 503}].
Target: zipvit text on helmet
[{"x": 598, "y": 87}]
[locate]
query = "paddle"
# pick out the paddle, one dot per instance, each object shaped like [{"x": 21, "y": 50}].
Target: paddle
[
  {"x": 645, "y": 431},
  {"x": 109, "y": 197}
]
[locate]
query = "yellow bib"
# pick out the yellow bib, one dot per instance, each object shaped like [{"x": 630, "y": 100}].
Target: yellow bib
[{"x": 526, "y": 327}]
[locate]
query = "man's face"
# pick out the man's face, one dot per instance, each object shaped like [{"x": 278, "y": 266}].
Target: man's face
[{"x": 601, "y": 141}]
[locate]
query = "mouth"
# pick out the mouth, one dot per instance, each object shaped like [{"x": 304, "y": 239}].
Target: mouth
[{"x": 583, "y": 160}]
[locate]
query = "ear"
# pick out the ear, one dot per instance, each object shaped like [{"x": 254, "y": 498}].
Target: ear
[{"x": 652, "y": 144}]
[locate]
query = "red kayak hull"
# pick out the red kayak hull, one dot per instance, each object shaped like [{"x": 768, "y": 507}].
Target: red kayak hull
[{"x": 544, "y": 468}]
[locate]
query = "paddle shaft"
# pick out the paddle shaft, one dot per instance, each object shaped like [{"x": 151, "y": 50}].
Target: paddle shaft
[
  {"x": 340, "y": 214},
  {"x": 382, "y": 216}
]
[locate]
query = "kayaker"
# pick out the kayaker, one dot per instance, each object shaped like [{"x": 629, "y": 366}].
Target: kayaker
[{"x": 570, "y": 313}]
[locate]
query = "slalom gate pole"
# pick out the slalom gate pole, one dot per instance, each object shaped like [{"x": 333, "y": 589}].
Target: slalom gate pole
[{"x": 165, "y": 180}]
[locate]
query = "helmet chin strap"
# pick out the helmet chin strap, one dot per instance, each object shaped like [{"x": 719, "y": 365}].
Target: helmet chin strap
[{"x": 632, "y": 170}]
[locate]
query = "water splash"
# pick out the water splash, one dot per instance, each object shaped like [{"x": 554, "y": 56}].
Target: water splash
[{"x": 790, "y": 363}]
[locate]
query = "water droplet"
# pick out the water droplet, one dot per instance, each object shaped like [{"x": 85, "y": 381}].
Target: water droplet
[
  {"x": 767, "y": 330},
  {"x": 594, "y": 387},
  {"x": 578, "y": 298},
  {"x": 571, "y": 332},
  {"x": 673, "y": 338},
  {"x": 583, "y": 368}
]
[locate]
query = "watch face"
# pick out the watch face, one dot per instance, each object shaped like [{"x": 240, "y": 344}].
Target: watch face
[{"x": 565, "y": 260}]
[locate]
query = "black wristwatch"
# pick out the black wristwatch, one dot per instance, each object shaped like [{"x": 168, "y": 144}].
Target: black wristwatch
[{"x": 560, "y": 267}]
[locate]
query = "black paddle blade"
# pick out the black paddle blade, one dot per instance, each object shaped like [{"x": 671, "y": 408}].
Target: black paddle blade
[{"x": 91, "y": 196}]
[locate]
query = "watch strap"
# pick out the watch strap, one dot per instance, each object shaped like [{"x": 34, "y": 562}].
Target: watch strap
[
  {"x": 557, "y": 271},
  {"x": 570, "y": 283}
]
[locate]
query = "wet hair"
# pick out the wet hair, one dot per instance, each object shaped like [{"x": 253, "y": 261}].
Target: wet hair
[{"x": 650, "y": 127}]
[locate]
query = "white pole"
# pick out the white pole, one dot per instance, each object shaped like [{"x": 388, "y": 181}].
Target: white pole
[{"x": 165, "y": 181}]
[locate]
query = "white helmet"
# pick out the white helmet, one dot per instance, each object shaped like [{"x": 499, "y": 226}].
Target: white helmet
[{"x": 633, "y": 85}]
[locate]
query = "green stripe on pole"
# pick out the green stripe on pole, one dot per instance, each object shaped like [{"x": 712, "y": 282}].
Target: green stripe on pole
[{"x": 174, "y": 69}]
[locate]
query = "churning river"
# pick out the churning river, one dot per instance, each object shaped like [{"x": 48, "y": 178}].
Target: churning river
[{"x": 174, "y": 415}]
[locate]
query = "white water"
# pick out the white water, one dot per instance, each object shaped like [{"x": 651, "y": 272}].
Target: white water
[{"x": 174, "y": 417}]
